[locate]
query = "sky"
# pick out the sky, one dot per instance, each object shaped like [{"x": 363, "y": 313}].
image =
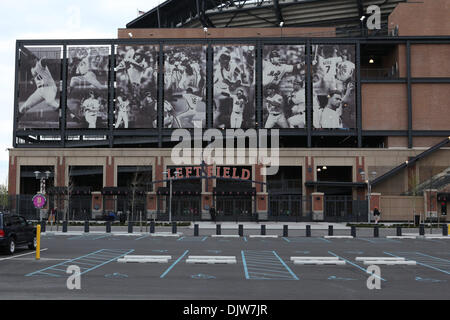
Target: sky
[{"x": 52, "y": 19}]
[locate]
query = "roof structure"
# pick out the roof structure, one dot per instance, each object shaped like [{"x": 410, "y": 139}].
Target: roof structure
[{"x": 342, "y": 14}]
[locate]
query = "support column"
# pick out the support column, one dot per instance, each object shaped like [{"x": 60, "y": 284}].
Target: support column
[
  {"x": 430, "y": 203},
  {"x": 97, "y": 204},
  {"x": 262, "y": 197},
  {"x": 151, "y": 205},
  {"x": 262, "y": 207},
  {"x": 318, "y": 206},
  {"x": 109, "y": 182}
]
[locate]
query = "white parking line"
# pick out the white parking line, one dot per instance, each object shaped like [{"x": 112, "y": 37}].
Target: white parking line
[{"x": 21, "y": 255}]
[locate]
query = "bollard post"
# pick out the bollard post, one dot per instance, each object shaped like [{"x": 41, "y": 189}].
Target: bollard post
[
  {"x": 86, "y": 226},
  {"x": 152, "y": 226},
  {"x": 130, "y": 227},
  {"x": 43, "y": 226},
  {"x": 263, "y": 229},
  {"x": 376, "y": 232},
  {"x": 108, "y": 226},
  {"x": 64, "y": 226},
  {"x": 196, "y": 230},
  {"x": 241, "y": 230},
  {"x": 445, "y": 230},
  {"x": 353, "y": 231},
  {"x": 330, "y": 230},
  {"x": 285, "y": 231},
  {"x": 38, "y": 242},
  {"x": 174, "y": 227},
  {"x": 399, "y": 231},
  {"x": 308, "y": 230},
  {"x": 421, "y": 230},
  {"x": 218, "y": 230}
]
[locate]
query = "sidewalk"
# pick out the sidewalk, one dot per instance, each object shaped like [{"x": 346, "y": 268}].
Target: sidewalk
[{"x": 270, "y": 225}]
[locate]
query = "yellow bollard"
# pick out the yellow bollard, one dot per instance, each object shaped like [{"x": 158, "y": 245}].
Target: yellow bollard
[{"x": 38, "y": 242}]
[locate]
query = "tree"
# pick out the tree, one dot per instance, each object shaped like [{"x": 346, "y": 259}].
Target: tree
[
  {"x": 3, "y": 196},
  {"x": 138, "y": 183}
]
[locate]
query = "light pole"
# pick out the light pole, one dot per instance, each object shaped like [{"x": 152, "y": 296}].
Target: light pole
[
  {"x": 369, "y": 190},
  {"x": 166, "y": 173}
]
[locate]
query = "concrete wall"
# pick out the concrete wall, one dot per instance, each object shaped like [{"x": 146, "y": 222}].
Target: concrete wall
[{"x": 400, "y": 208}]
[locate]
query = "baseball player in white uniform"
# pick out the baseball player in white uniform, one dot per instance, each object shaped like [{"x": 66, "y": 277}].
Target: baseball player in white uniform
[
  {"x": 326, "y": 71},
  {"x": 297, "y": 100},
  {"x": 45, "y": 87},
  {"x": 91, "y": 110},
  {"x": 330, "y": 116},
  {"x": 274, "y": 105},
  {"x": 192, "y": 101},
  {"x": 124, "y": 109},
  {"x": 274, "y": 71},
  {"x": 170, "y": 120},
  {"x": 239, "y": 101},
  {"x": 85, "y": 75}
]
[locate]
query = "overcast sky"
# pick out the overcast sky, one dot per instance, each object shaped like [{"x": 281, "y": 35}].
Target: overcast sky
[{"x": 52, "y": 19}]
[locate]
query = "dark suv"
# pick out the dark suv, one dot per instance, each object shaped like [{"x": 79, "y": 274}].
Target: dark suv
[{"x": 14, "y": 231}]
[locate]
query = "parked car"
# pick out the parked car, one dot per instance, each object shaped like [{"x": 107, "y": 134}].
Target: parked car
[{"x": 16, "y": 231}]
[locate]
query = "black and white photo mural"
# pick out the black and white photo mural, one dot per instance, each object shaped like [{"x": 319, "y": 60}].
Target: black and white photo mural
[
  {"x": 284, "y": 95},
  {"x": 334, "y": 101},
  {"x": 234, "y": 86},
  {"x": 87, "y": 87},
  {"x": 184, "y": 86},
  {"x": 136, "y": 86},
  {"x": 39, "y": 87}
]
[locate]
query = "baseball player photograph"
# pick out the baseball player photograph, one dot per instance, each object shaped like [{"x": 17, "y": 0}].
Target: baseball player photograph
[
  {"x": 90, "y": 109},
  {"x": 137, "y": 75},
  {"x": 234, "y": 87},
  {"x": 283, "y": 70},
  {"x": 334, "y": 71},
  {"x": 39, "y": 78},
  {"x": 123, "y": 107},
  {"x": 184, "y": 86},
  {"x": 87, "y": 92},
  {"x": 274, "y": 104}
]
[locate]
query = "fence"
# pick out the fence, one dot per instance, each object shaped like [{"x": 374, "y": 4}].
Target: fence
[{"x": 345, "y": 209}]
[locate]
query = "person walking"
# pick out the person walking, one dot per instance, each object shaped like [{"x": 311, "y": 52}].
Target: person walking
[
  {"x": 212, "y": 212},
  {"x": 376, "y": 214}
]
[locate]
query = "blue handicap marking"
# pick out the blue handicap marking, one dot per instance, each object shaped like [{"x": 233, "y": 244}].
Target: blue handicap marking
[
  {"x": 159, "y": 250},
  {"x": 202, "y": 276},
  {"x": 116, "y": 275},
  {"x": 338, "y": 278},
  {"x": 429, "y": 280}
]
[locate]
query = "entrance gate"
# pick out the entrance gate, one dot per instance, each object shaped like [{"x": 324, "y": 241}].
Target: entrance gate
[{"x": 345, "y": 209}]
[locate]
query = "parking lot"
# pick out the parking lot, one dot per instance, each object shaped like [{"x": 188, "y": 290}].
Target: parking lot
[{"x": 263, "y": 268}]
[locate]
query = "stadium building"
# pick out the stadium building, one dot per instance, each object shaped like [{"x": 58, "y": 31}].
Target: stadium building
[{"x": 357, "y": 101}]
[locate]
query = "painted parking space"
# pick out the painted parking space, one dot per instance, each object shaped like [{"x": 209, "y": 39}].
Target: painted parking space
[
  {"x": 265, "y": 265},
  {"x": 256, "y": 263},
  {"x": 306, "y": 240},
  {"x": 86, "y": 262},
  {"x": 192, "y": 239},
  {"x": 436, "y": 263}
]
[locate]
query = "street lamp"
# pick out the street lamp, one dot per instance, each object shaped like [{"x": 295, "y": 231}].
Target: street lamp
[
  {"x": 373, "y": 174},
  {"x": 42, "y": 176},
  {"x": 166, "y": 174}
]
